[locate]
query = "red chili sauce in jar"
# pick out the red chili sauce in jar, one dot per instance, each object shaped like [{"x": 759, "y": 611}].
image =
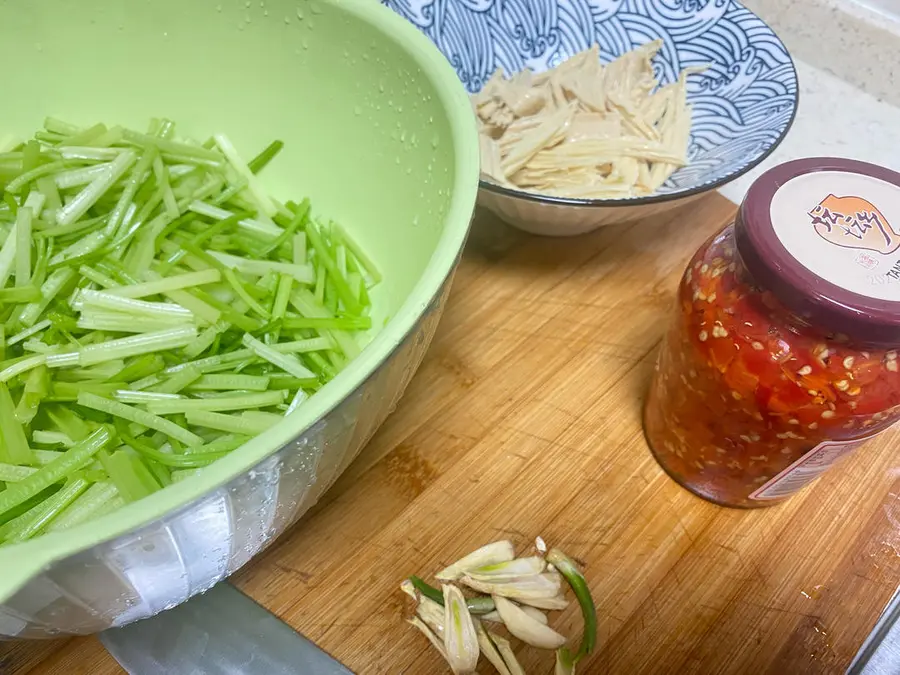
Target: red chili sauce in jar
[{"x": 783, "y": 355}]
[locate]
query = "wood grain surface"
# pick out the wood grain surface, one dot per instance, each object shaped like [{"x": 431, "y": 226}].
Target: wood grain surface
[{"x": 525, "y": 420}]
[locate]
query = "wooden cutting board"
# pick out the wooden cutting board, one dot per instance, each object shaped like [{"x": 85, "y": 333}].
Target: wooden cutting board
[{"x": 525, "y": 420}]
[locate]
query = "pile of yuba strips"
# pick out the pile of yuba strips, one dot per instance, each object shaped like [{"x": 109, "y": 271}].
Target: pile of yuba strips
[
  {"x": 503, "y": 592},
  {"x": 158, "y": 308}
]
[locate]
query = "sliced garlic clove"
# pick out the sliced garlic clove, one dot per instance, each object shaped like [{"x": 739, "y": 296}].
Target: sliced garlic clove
[
  {"x": 553, "y": 574},
  {"x": 564, "y": 664},
  {"x": 432, "y": 614},
  {"x": 503, "y": 646},
  {"x": 460, "y": 640},
  {"x": 490, "y": 650},
  {"x": 407, "y": 587},
  {"x": 491, "y": 554},
  {"x": 506, "y": 571},
  {"x": 491, "y": 616},
  {"x": 525, "y": 627},
  {"x": 544, "y": 585},
  {"x": 540, "y": 545},
  {"x": 417, "y": 622},
  {"x": 534, "y": 613},
  {"x": 555, "y": 603}
]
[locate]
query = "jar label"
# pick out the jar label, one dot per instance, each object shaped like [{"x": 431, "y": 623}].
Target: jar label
[
  {"x": 806, "y": 469},
  {"x": 844, "y": 227}
]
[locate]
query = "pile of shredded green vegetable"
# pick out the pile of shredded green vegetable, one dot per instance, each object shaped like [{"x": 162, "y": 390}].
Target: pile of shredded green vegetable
[{"x": 157, "y": 309}]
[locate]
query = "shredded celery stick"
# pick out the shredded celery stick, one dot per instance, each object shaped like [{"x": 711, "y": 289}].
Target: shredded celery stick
[
  {"x": 85, "y": 506},
  {"x": 298, "y": 399},
  {"x": 50, "y": 438},
  {"x": 302, "y": 273},
  {"x": 78, "y": 177},
  {"x": 44, "y": 457},
  {"x": 164, "y": 285},
  {"x": 22, "y": 365},
  {"x": 95, "y": 189},
  {"x": 135, "y": 345},
  {"x": 219, "y": 403},
  {"x": 225, "y": 381},
  {"x": 204, "y": 340},
  {"x": 69, "y": 462},
  {"x": 178, "y": 381},
  {"x": 8, "y": 256},
  {"x": 23, "y": 246},
  {"x": 36, "y": 389},
  {"x": 48, "y": 510},
  {"x": 139, "y": 396},
  {"x": 259, "y": 162},
  {"x": 253, "y": 184},
  {"x": 91, "y": 300},
  {"x": 160, "y": 308},
  {"x": 222, "y": 422},
  {"x": 54, "y": 284},
  {"x": 287, "y": 363},
  {"x": 15, "y": 448},
  {"x": 11, "y": 473},
  {"x": 250, "y": 225},
  {"x": 129, "y": 474},
  {"x": 138, "y": 416}
]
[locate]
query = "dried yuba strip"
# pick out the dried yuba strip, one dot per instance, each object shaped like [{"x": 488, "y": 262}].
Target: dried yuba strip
[{"x": 585, "y": 130}]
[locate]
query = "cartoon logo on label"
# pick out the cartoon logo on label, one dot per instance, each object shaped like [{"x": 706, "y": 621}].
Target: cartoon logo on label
[{"x": 854, "y": 222}]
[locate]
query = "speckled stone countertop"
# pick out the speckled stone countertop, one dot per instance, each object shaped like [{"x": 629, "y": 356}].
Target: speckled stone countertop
[{"x": 848, "y": 62}]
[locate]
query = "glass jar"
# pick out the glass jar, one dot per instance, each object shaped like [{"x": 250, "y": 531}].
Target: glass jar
[{"x": 783, "y": 355}]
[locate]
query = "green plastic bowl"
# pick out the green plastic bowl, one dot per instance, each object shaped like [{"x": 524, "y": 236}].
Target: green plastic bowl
[{"x": 378, "y": 133}]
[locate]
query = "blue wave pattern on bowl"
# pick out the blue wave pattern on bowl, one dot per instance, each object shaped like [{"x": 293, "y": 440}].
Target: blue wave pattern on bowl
[{"x": 742, "y": 103}]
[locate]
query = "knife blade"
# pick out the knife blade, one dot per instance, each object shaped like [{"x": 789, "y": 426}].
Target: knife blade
[{"x": 222, "y": 632}]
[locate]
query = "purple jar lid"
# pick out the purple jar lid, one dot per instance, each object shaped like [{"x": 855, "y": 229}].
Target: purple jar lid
[{"x": 823, "y": 235}]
